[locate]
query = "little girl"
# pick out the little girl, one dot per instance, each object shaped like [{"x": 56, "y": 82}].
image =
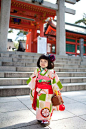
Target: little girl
[{"x": 43, "y": 83}]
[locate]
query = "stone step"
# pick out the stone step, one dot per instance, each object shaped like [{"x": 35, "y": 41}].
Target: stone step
[
  {"x": 28, "y": 64},
  {"x": 23, "y": 60},
  {"x": 68, "y": 62},
  {"x": 15, "y": 74},
  {"x": 36, "y": 55},
  {"x": 82, "y": 66},
  {"x": 24, "y": 89},
  {"x": 14, "y": 90},
  {"x": 71, "y": 74},
  {"x": 13, "y": 64},
  {"x": 63, "y": 60},
  {"x": 67, "y": 69},
  {"x": 26, "y": 59},
  {"x": 7, "y": 68},
  {"x": 21, "y": 56},
  {"x": 11, "y": 55},
  {"x": 83, "y": 63},
  {"x": 25, "y": 69},
  {"x": 66, "y": 65},
  {"x": 12, "y": 74},
  {"x": 69, "y": 65},
  {"x": 7, "y": 53},
  {"x": 22, "y": 81},
  {"x": 59, "y": 69},
  {"x": 8, "y": 59},
  {"x": 17, "y": 63},
  {"x": 74, "y": 86},
  {"x": 33, "y": 59}
]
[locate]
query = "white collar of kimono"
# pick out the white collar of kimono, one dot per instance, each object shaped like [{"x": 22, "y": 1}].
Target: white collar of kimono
[{"x": 43, "y": 69}]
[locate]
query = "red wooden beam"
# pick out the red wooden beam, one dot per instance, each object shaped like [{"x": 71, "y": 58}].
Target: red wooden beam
[{"x": 33, "y": 8}]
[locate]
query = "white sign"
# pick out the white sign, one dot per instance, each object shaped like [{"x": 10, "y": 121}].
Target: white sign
[{"x": 42, "y": 45}]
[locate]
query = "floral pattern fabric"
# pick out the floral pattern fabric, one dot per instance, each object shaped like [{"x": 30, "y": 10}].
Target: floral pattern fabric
[{"x": 44, "y": 106}]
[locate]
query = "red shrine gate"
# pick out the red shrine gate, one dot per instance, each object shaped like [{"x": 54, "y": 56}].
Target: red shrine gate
[{"x": 30, "y": 18}]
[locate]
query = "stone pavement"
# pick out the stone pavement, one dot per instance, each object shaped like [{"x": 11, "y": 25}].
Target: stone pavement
[{"x": 16, "y": 113}]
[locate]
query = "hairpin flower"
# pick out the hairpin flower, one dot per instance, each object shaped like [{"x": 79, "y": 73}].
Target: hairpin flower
[{"x": 52, "y": 58}]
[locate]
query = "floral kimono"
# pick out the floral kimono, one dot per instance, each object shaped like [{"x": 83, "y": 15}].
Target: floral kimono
[{"x": 43, "y": 83}]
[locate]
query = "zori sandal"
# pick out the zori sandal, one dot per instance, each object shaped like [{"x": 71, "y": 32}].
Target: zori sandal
[{"x": 45, "y": 123}]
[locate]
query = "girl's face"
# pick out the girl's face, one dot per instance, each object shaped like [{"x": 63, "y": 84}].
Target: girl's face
[{"x": 43, "y": 63}]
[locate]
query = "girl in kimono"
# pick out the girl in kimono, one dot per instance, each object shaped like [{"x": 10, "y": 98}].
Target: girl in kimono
[{"x": 43, "y": 83}]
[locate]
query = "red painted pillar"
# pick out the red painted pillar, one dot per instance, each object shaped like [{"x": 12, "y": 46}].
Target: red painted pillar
[
  {"x": 35, "y": 33},
  {"x": 41, "y": 29},
  {"x": 28, "y": 42},
  {"x": 35, "y": 40}
]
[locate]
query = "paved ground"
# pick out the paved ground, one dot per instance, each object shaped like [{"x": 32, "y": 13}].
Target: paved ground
[{"x": 16, "y": 113}]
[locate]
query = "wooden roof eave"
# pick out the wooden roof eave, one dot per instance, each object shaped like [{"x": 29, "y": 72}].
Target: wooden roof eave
[
  {"x": 49, "y": 35},
  {"x": 32, "y": 8},
  {"x": 50, "y": 25},
  {"x": 75, "y": 34},
  {"x": 25, "y": 18}
]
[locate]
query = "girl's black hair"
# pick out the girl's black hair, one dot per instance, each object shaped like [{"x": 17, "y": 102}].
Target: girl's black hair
[{"x": 50, "y": 64}]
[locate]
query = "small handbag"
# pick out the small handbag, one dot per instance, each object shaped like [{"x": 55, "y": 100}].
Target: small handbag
[{"x": 57, "y": 100}]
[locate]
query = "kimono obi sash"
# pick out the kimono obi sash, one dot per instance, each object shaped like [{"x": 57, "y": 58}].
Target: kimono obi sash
[
  {"x": 44, "y": 82},
  {"x": 45, "y": 85}
]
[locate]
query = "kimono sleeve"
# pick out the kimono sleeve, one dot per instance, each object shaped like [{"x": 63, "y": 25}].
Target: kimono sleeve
[
  {"x": 56, "y": 84},
  {"x": 32, "y": 79}
]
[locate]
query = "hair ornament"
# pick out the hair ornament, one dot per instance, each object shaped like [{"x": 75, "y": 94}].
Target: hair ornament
[{"x": 52, "y": 58}]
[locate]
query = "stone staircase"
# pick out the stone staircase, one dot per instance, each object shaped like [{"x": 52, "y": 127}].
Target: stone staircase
[{"x": 16, "y": 68}]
